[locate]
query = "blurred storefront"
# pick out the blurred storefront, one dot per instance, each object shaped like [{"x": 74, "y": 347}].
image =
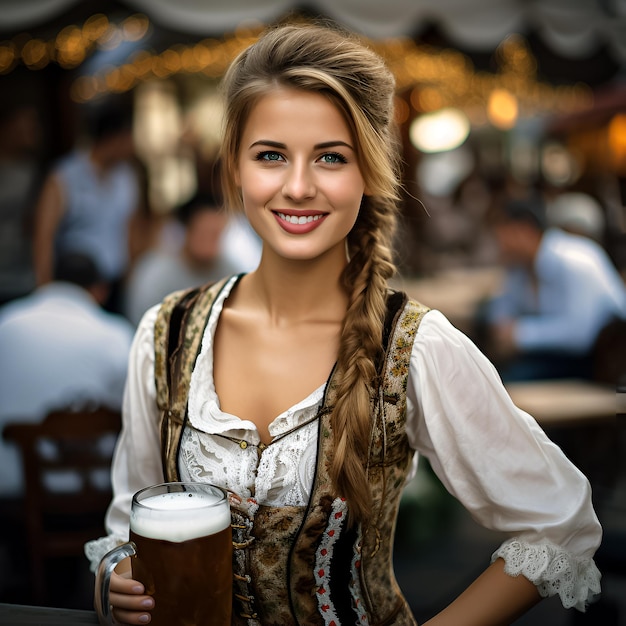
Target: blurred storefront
[{"x": 493, "y": 96}]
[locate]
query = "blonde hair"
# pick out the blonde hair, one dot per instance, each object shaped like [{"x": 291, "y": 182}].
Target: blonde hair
[{"x": 330, "y": 61}]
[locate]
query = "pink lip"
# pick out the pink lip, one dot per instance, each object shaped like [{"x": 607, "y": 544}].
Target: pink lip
[{"x": 299, "y": 229}]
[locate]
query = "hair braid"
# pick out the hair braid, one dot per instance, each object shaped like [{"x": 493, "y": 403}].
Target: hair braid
[{"x": 361, "y": 344}]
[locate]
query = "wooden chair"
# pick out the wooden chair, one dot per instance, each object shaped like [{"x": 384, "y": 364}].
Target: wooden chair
[
  {"x": 609, "y": 354},
  {"x": 73, "y": 448}
]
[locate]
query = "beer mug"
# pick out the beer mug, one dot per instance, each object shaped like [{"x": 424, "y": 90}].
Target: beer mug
[{"x": 181, "y": 551}]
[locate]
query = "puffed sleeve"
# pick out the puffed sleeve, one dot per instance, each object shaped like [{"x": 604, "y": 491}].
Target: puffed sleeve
[
  {"x": 137, "y": 458},
  {"x": 497, "y": 461}
]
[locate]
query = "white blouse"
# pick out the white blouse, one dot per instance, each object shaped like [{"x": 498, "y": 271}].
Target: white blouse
[{"x": 492, "y": 456}]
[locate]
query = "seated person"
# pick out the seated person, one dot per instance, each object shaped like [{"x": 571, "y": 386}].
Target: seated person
[
  {"x": 560, "y": 290},
  {"x": 59, "y": 348}
]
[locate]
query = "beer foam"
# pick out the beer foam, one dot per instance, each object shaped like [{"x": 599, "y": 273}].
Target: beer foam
[{"x": 179, "y": 516}]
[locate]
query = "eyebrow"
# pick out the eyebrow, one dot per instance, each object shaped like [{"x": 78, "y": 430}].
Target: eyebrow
[{"x": 317, "y": 146}]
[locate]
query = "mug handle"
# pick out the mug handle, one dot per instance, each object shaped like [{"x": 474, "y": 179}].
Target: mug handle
[{"x": 103, "y": 580}]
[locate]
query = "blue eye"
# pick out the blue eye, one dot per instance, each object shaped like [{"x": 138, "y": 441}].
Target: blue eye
[
  {"x": 268, "y": 155},
  {"x": 333, "y": 157}
]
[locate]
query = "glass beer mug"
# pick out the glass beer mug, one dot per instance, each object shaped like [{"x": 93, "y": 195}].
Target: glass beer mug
[{"x": 181, "y": 551}]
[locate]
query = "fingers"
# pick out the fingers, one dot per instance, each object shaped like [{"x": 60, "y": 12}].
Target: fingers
[
  {"x": 130, "y": 603},
  {"x": 133, "y": 618},
  {"x": 123, "y": 584}
]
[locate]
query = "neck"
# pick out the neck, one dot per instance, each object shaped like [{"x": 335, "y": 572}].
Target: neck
[{"x": 298, "y": 291}]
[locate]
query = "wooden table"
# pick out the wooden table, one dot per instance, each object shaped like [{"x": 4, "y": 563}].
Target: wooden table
[
  {"x": 16, "y": 615},
  {"x": 565, "y": 402}
]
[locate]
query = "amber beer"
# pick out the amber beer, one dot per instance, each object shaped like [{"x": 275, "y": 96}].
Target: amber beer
[
  {"x": 181, "y": 550},
  {"x": 183, "y": 556}
]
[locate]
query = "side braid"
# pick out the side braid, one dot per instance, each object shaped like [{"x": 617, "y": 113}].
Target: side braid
[{"x": 361, "y": 343}]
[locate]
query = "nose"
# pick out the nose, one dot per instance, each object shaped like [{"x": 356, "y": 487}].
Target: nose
[{"x": 299, "y": 184}]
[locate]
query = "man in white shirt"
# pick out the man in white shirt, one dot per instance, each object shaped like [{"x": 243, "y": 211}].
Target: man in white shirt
[
  {"x": 58, "y": 348},
  {"x": 560, "y": 290}
]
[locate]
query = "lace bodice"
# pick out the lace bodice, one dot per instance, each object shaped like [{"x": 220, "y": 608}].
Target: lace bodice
[{"x": 279, "y": 474}]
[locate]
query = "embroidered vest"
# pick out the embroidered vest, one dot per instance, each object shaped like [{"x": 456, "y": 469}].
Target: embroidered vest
[{"x": 304, "y": 565}]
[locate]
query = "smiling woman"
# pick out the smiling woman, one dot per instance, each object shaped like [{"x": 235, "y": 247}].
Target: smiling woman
[
  {"x": 299, "y": 175},
  {"x": 308, "y": 387}
]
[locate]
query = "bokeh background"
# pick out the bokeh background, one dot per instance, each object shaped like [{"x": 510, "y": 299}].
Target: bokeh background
[{"x": 494, "y": 97}]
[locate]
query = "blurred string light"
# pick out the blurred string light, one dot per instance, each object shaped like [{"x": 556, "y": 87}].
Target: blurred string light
[
  {"x": 73, "y": 44},
  {"x": 439, "y": 131},
  {"x": 433, "y": 78},
  {"x": 502, "y": 109},
  {"x": 436, "y": 79},
  {"x": 209, "y": 57},
  {"x": 617, "y": 140},
  {"x": 559, "y": 166}
]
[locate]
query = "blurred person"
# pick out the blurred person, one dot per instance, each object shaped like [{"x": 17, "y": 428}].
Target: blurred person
[
  {"x": 560, "y": 290},
  {"x": 59, "y": 348},
  {"x": 88, "y": 200},
  {"x": 241, "y": 245},
  {"x": 20, "y": 179},
  {"x": 201, "y": 257},
  {"x": 577, "y": 213}
]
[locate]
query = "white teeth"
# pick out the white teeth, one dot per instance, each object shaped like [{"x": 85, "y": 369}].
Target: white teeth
[{"x": 303, "y": 219}]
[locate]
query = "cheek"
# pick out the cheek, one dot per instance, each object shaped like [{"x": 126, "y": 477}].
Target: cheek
[
  {"x": 245, "y": 182},
  {"x": 258, "y": 188},
  {"x": 252, "y": 195},
  {"x": 347, "y": 193}
]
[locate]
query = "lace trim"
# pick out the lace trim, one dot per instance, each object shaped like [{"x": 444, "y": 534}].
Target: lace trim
[
  {"x": 553, "y": 570},
  {"x": 97, "y": 548}
]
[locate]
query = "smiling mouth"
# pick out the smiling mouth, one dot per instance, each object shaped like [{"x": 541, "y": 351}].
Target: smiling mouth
[{"x": 299, "y": 219}]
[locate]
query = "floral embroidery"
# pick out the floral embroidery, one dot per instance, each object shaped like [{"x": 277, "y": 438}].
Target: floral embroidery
[{"x": 323, "y": 558}]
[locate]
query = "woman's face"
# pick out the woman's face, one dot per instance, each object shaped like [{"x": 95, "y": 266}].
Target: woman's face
[{"x": 298, "y": 173}]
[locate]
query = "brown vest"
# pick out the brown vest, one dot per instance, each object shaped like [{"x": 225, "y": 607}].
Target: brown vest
[{"x": 304, "y": 565}]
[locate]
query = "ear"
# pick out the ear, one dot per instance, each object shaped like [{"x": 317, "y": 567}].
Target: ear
[{"x": 237, "y": 175}]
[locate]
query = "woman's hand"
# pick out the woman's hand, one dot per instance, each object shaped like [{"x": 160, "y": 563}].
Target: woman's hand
[{"x": 130, "y": 604}]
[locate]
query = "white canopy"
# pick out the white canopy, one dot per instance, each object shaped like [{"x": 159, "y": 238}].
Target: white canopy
[{"x": 571, "y": 28}]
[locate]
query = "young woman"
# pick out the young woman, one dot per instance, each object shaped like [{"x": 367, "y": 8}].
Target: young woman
[{"x": 314, "y": 387}]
